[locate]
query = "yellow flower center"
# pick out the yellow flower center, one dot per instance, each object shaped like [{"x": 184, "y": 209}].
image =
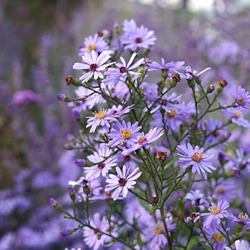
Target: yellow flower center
[
  {"x": 215, "y": 210},
  {"x": 158, "y": 230},
  {"x": 171, "y": 113},
  {"x": 197, "y": 157},
  {"x": 101, "y": 114},
  {"x": 218, "y": 237},
  {"x": 91, "y": 47},
  {"x": 236, "y": 114},
  {"x": 126, "y": 133}
]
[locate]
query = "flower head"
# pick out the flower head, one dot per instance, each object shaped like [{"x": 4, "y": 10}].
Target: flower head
[
  {"x": 121, "y": 182},
  {"x": 196, "y": 158},
  {"x": 217, "y": 212},
  {"x": 137, "y": 37},
  {"x": 93, "y": 237},
  {"x": 242, "y": 98},
  {"x": 94, "y": 64},
  {"x": 124, "y": 134},
  {"x": 95, "y": 42}
]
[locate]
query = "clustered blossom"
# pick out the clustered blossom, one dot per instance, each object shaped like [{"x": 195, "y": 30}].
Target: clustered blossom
[{"x": 155, "y": 165}]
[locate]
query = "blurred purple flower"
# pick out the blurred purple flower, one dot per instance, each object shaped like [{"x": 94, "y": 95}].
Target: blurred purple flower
[
  {"x": 25, "y": 96},
  {"x": 137, "y": 37},
  {"x": 242, "y": 98}
]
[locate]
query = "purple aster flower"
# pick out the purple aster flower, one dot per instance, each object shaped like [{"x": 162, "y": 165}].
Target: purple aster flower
[
  {"x": 94, "y": 238},
  {"x": 196, "y": 158},
  {"x": 213, "y": 233},
  {"x": 242, "y": 98},
  {"x": 171, "y": 67},
  {"x": 144, "y": 140},
  {"x": 114, "y": 75},
  {"x": 155, "y": 233},
  {"x": 134, "y": 37},
  {"x": 217, "y": 212},
  {"x": 226, "y": 190},
  {"x": 25, "y": 96},
  {"x": 95, "y": 42},
  {"x": 237, "y": 117},
  {"x": 197, "y": 199},
  {"x": 93, "y": 64},
  {"x": 191, "y": 74},
  {"x": 103, "y": 163},
  {"x": 101, "y": 118},
  {"x": 121, "y": 182},
  {"x": 242, "y": 245},
  {"x": 242, "y": 219},
  {"x": 124, "y": 134}
]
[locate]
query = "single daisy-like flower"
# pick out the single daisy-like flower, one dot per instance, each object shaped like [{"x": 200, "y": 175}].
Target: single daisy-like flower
[
  {"x": 121, "y": 182},
  {"x": 94, "y": 64},
  {"x": 124, "y": 134},
  {"x": 237, "y": 117},
  {"x": 137, "y": 37},
  {"x": 100, "y": 118},
  {"x": 217, "y": 212},
  {"x": 95, "y": 42},
  {"x": 94, "y": 238},
  {"x": 242, "y": 98},
  {"x": 196, "y": 158},
  {"x": 213, "y": 233},
  {"x": 144, "y": 140},
  {"x": 103, "y": 163},
  {"x": 155, "y": 233},
  {"x": 114, "y": 75}
]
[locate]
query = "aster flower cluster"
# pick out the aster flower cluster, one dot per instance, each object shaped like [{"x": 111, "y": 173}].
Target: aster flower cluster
[{"x": 159, "y": 166}]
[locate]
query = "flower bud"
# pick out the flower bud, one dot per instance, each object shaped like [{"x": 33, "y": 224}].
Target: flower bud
[
  {"x": 161, "y": 156},
  {"x": 210, "y": 88},
  {"x": 54, "y": 203},
  {"x": 72, "y": 193},
  {"x": 222, "y": 83},
  {"x": 66, "y": 232},
  {"x": 72, "y": 81},
  {"x": 80, "y": 163}
]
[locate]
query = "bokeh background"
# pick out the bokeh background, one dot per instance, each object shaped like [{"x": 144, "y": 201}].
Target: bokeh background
[{"x": 39, "y": 42}]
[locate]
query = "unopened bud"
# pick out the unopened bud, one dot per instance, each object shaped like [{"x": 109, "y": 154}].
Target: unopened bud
[
  {"x": 54, "y": 203},
  {"x": 71, "y": 193},
  {"x": 161, "y": 156},
  {"x": 210, "y": 88},
  {"x": 72, "y": 81},
  {"x": 176, "y": 77},
  {"x": 66, "y": 232},
  {"x": 222, "y": 83},
  {"x": 80, "y": 163}
]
